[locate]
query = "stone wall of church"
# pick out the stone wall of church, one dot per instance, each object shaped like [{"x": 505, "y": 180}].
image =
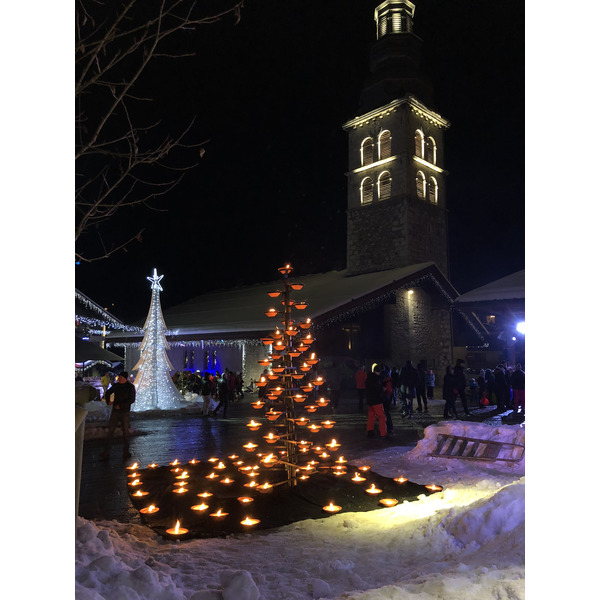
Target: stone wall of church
[{"x": 420, "y": 330}]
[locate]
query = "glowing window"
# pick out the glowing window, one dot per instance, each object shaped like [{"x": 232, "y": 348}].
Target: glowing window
[
  {"x": 385, "y": 144},
  {"x": 490, "y": 319},
  {"x": 421, "y": 185},
  {"x": 419, "y": 144},
  {"x": 366, "y": 190},
  {"x": 366, "y": 152},
  {"x": 431, "y": 155},
  {"x": 384, "y": 185},
  {"x": 432, "y": 190}
]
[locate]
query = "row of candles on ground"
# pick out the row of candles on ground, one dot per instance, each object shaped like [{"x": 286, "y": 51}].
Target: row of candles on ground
[{"x": 183, "y": 475}]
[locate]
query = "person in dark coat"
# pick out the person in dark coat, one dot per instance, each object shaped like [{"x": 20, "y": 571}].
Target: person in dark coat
[
  {"x": 374, "y": 393},
  {"x": 518, "y": 386},
  {"x": 449, "y": 393},
  {"x": 408, "y": 386},
  {"x": 223, "y": 395},
  {"x": 460, "y": 382},
  {"x": 502, "y": 388},
  {"x": 386, "y": 384},
  {"x": 121, "y": 395},
  {"x": 421, "y": 388}
]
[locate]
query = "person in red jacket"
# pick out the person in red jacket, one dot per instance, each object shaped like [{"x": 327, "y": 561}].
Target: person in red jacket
[{"x": 361, "y": 379}]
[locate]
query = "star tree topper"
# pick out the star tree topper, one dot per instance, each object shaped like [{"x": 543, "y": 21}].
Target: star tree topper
[{"x": 155, "y": 280}]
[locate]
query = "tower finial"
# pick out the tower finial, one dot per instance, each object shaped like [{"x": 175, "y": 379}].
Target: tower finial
[{"x": 394, "y": 16}]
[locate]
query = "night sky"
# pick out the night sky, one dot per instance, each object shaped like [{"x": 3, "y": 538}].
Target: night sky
[{"x": 271, "y": 94}]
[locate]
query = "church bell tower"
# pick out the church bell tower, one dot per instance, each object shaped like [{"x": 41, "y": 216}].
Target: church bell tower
[{"x": 396, "y": 213}]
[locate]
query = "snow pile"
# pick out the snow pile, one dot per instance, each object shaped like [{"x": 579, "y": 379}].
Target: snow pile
[{"x": 466, "y": 542}]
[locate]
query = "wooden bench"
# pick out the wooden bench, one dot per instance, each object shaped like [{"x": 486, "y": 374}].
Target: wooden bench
[{"x": 455, "y": 446}]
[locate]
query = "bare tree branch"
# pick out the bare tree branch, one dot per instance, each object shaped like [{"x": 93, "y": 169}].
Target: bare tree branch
[{"x": 115, "y": 43}]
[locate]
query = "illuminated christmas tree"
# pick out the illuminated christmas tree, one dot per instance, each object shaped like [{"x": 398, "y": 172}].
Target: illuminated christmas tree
[{"x": 154, "y": 386}]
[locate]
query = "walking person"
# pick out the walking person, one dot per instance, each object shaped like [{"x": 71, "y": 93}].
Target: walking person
[
  {"x": 460, "y": 383},
  {"x": 430, "y": 384},
  {"x": 223, "y": 395},
  {"x": 360, "y": 379},
  {"x": 121, "y": 395},
  {"x": 408, "y": 385},
  {"x": 421, "y": 389},
  {"x": 502, "y": 388},
  {"x": 374, "y": 394},
  {"x": 386, "y": 385},
  {"x": 518, "y": 386},
  {"x": 395, "y": 385},
  {"x": 205, "y": 392},
  {"x": 449, "y": 392}
]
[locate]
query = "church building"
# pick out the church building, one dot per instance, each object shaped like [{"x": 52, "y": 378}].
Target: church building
[{"x": 393, "y": 302}]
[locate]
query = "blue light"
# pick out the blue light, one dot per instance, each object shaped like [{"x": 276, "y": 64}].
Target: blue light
[{"x": 521, "y": 327}]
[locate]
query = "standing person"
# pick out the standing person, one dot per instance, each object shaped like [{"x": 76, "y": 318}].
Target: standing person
[
  {"x": 360, "y": 379},
  {"x": 460, "y": 383},
  {"x": 408, "y": 385},
  {"x": 386, "y": 386},
  {"x": 430, "y": 384},
  {"x": 502, "y": 388},
  {"x": 518, "y": 386},
  {"x": 105, "y": 382},
  {"x": 374, "y": 395},
  {"x": 223, "y": 395},
  {"x": 449, "y": 393},
  {"x": 205, "y": 392},
  {"x": 421, "y": 386},
  {"x": 395, "y": 385},
  {"x": 121, "y": 395},
  {"x": 490, "y": 385}
]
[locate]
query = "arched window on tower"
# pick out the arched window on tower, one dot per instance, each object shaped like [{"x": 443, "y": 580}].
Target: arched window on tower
[
  {"x": 385, "y": 144},
  {"x": 366, "y": 152},
  {"x": 419, "y": 144},
  {"x": 432, "y": 190},
  {"x": 431, "y": 150},
  {"x": 421, "y": 185},
  {"x": 384, "y": 185},
  {"x": 366, "y": 190}
]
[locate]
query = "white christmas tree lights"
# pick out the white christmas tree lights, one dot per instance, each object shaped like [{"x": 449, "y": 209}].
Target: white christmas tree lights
[{"x": 154, "y": 387}]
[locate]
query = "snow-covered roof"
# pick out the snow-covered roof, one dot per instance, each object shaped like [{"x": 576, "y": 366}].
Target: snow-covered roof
[
  {"x": 511, "y": 287},
  {"x": 242, "y": 309}
]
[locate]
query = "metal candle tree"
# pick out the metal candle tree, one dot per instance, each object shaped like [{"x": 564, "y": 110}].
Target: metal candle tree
[{"x": 286, "y": 382}]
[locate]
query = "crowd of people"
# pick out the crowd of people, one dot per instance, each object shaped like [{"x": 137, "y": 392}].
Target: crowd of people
[
  {"x": 220, "y": 388},
  {"x": 383, "y": 388}
]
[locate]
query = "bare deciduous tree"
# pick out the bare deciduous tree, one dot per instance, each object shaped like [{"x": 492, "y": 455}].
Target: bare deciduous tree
[{"x": 120, "y": 159}]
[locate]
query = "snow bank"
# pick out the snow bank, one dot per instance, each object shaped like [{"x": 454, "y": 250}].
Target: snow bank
[{"x": 466, "y": 542}]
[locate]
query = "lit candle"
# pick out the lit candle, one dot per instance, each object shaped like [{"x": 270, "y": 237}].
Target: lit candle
[
  {"x": 357, "y": 478},
  {"x": 220, "y": 466},
  {"x": 175, "y": 462},
  {"x": 152, "y": 466},
  {"x": 177, "y": 530},
  {"x": 199, "y": 507},
  {"x": 204, "y": 495},
  {"x": 248, "y": 522},
  {"x": 135, "y": 482},
  {"x": 364, "y": 468},
  {"x": 400, "y": 479},
  {"x": 245, "y": 499},
  {"x": 257, "y": 404},
  {"x": 149, "y": 509},
  {"x": 269, "y": 460},
  {"x": 388, "y": 502},
  {"x": 373, "y": 490},
  {"x": 433, "y": 488},
  {"x": 180, "y": 490},
  {"x": 212, "y": 475},
  {"x": 253, "y": 425},
  {"x": 250, "y": 447},
  {"x": 322, "y": 402},
  {"x": 140, "y": 493},
  {"x": 133, "y": 467},
  {"x": 341, "y": 460},
  {"x": 311, "y": 408},
  {"x": 328, "y": 424},
  {"x": 183, "y": 475},
  {"x": 314, "y": 428},
  {"x": 219, "y": 515},
  {"x": 333, "y": 445},
  {"x": 265, "y": 487},
  {"x": 271, "y": 439},
  {"x": 332, "y": 508},
  {"x": 252, "y": 484},
  {"x": 272, "y": 415},
  {"x": 193, "y": 461},
  {"x": 227, "y": 481}
]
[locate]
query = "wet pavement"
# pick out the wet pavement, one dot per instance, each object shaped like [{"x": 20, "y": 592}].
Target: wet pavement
[{"x": 163, "y": 437}]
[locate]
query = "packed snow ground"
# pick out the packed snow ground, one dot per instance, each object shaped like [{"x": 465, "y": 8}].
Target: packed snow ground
[{"x": 467, "y": 542}]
